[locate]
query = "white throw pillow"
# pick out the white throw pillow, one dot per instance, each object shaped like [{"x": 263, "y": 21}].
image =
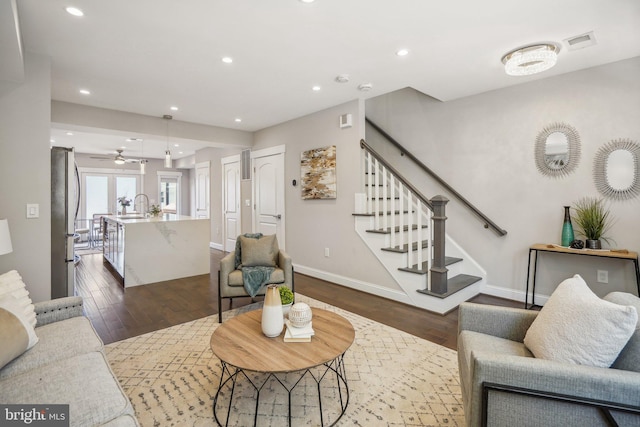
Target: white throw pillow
[
  {"x": 11, "y": 284},
  {"x": 576, "y": 326}
]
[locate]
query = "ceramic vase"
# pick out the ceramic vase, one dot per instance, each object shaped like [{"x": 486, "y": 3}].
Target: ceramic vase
[
  {"x": 272, "y": 318},
  {"x": 567, "y": 228},
  {"x": 124, "y": 210}
]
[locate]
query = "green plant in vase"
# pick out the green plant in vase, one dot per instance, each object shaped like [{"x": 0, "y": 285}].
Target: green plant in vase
[
  {"x": 155, "y": 210},
  {"x": 286, "y": 295},
  {"x": 593, "y": 220}
]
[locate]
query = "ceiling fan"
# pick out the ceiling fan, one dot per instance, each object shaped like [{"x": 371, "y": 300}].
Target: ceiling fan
[{"x": 119, "y": 159}]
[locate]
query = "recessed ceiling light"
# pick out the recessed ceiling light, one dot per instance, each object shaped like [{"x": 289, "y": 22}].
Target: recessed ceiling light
[
  {"x": 134, "y": 139},
  {"x": 342, "y": 78},
  {"x": 227, "y": 60},
  {"x": 174, "y": 108},
  {"x": 365, "y": 87},
  {"x": 85, "y": 92},
  {"x": 316, "y": 88},
  {"x": 238, "y": 120},
  {"x": 402, "y": 52},
  {"x": 176, "y": 145},
  {"x": 307, "y": 1},
  {"x": 52, "y": 140},
  {"x": 180, "y": 152},
  {"x": 123, "y": 147},
  {"x": 69, "y": 133},
  {"x": 74, "y": 11}
]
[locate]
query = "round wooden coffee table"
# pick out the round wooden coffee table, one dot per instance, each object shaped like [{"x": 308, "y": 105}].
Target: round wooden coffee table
[{"x": 242, "y": 347}]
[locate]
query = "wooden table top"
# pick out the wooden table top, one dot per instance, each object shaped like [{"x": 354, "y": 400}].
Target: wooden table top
[
  {"x": 620, "y": 253},
  {"x": 240, "y": 342}
]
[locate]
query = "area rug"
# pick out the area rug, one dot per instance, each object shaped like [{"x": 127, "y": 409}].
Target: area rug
[{"x": 395, "y": 379}]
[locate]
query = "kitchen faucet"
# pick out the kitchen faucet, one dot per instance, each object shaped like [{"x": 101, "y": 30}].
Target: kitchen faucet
[{"x": 145, "y": 212}]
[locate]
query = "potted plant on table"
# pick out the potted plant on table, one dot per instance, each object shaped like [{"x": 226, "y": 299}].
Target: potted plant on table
[
  {"x": 593, "y": 220},
  {"x": 124, "y": 202},
  {"x": 286, "y": 297}
]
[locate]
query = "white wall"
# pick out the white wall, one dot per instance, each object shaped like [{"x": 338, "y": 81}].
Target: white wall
[
  {"x": 313, "y": 225},
  {"x": 25, "y": 177},
  {"x": 484, "y": 147}
]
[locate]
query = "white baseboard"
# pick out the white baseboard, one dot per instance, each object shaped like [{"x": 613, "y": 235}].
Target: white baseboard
[
  {"x": 217, "y": 246},
  {"x": 512, "y": 294},
  {"x": 371, "y": 288}
]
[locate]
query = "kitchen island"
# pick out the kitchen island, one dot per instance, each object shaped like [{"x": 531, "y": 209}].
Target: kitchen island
[{"x": 148, "y": 250}]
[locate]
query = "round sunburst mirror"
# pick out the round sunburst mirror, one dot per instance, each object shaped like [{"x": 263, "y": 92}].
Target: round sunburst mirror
[
  {"x": 557, "y": 150},
  {"x": 616, "y": 169}
]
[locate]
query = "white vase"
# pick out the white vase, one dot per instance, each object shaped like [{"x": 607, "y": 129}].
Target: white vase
[{"x": 272, "y": 318}]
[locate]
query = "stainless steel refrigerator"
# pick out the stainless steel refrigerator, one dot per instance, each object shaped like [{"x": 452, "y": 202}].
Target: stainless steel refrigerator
[{"x": 64, "y": 209}]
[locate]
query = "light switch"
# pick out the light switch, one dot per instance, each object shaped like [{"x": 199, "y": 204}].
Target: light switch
[
  {"x": 247, "y": 202},
  {"x": 33, "y": 210}
]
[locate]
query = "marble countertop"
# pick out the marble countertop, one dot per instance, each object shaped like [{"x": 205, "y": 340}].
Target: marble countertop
[{"x": 138, "y": 219}]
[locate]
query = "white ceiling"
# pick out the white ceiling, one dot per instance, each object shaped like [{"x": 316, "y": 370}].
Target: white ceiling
[{"x": 144, "y": 56}]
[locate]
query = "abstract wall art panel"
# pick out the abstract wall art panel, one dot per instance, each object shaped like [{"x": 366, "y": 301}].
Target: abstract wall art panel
[{"x": 318, "y": 173}]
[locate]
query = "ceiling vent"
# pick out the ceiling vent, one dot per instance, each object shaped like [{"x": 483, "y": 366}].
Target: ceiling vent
[{"x": 581, "y": 41}]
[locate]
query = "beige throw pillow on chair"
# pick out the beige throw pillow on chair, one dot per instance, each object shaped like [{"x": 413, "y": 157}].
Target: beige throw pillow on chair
[{"x": 259, "y": 252}]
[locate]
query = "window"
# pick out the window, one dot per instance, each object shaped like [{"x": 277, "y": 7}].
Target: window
[
  {"x": 101, "y": 188},
  {"x": 169, "y": 184}
]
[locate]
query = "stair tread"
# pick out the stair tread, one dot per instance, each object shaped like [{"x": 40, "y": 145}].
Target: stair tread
[
  {"x": 454, "y": 284},
  {"x": 425, "y": 265},
  {"x": 405, "y": 248},
  {"x": 388, "y": 230}
]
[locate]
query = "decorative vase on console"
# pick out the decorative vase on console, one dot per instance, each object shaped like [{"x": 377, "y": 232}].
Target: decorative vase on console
[
  {"x": 272, "y": 318},
  {"x": 567, "y": 228}
]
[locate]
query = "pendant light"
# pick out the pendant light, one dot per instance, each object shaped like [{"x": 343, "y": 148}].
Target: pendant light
[
  {"x": 142, "y": 160},
  {"x": 167, "y": 153}
]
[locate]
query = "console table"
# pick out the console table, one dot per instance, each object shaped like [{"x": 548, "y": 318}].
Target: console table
[{"x": 542, "y": 247}]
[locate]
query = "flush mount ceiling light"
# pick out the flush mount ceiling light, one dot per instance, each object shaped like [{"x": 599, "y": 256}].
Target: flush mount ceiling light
[
  {"x": 402, "y": 52},
  {"x": 531, "y": 59},
  {"x": 74, "y": 11},
  {"x": 227, "y": 60}
]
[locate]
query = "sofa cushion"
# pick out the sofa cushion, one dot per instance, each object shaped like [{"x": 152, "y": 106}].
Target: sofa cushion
[
  {"x": 629, "y": 358},
  {"x": 259, "y": 252},
  {"x": 16, "y": 333},
  {"x": 57, "y": 341},
  {"x": 576, "y": 326},
  {"x": 84, "y": 382},
  {"x": 277, "y": 276},
  {"x": 11, "y": 284}
]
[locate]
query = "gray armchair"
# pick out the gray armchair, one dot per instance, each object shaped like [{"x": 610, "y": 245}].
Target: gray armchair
[
  {"x": 502, "y": 383},
  {"x": 231, "y": 285}
]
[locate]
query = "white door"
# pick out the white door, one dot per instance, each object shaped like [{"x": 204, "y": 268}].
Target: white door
[
  {"x": 202, "y": 190},
  {"x": 231, "y": 201},
  {"x": 268, "y": 195}
]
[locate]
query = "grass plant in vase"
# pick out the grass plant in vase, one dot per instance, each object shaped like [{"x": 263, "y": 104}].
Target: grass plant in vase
[{"x": 593, "y": 220}]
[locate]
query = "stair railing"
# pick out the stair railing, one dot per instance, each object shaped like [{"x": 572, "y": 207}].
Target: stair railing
[
  {"x": 396, "y": 205},
  {"x": 488, "y": 223}
]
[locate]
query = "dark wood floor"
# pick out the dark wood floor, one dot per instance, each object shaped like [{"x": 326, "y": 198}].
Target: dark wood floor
[{"x": 117, "y": 314}]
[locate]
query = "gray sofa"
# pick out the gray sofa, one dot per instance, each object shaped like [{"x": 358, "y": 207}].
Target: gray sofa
[
  {"x": 67, "y": 366},
  {"x": 504, "y": 385}
]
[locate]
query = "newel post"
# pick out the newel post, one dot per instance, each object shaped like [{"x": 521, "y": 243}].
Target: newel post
[{"x": 438, "y": 269}]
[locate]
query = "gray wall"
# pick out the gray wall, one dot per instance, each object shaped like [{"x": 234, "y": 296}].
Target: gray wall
[
  {"x": 313, "y": 225},
  {"x": 484, "y": 147},
  {"x": 25, "y": 164}
]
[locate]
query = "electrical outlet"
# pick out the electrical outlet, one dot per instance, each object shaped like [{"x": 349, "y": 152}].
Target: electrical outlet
[
  {"x": 603, "y": 276},
  {"x": 326, "y": 252}
]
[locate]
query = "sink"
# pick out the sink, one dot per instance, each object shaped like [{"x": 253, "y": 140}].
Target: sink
[{"x": 131, "y": 216}]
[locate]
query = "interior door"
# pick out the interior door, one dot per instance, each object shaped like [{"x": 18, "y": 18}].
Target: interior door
[
  {"x": 231, "y": 201},
  {"x": 202, "y": 190},
  {"x": 268, "y": 196}
]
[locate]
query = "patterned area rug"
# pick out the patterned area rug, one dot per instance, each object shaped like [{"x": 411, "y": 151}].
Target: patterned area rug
[{"x": 395, "y": 379}]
